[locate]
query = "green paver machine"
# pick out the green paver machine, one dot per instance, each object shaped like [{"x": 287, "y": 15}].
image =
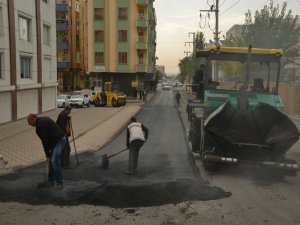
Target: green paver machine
[{"x": 243, "y": 123}]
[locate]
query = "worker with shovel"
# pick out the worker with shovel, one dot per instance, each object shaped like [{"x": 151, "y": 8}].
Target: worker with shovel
[
  {"x": 53, "y": 140},
  {"x": 137, "y": 134},
  {"x": 63, "y": 121}
]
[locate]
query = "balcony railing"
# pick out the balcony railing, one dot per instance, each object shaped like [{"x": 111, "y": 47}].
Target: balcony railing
[
  {"x": 142, "y": 45},
  {"x": 142, "y": 2},
  {"x": 142, "y": 21},
  {"x": 63, "y": 7},
  {"x": 63, "y": 65},
  {"x": 141, "y": 68},
  {"x": 62, "y": 26},
  {"x": 62, "y": 45}
]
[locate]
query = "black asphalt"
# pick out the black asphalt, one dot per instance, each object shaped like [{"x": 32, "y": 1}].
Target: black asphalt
[{"x": 167, "y": 173}]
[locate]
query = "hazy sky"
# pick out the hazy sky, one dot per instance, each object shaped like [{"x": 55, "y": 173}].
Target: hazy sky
[{"x": 176, "y": 18}]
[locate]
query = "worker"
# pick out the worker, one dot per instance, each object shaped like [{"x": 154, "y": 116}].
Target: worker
[
  {"x": 53, "y": 140},
  {"x": 178, "y": 96},
  {"x": 63, "y": 121},
  {"x": 137, "y": 134}
]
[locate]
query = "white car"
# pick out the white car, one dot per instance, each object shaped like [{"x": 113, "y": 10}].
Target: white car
[
  {"x": 79, "y": 101},
  {"x": 62, "y": 101},
  {"x": 166, "y": 87}
]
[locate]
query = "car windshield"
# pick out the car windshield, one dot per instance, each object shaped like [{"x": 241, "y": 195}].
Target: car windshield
[
  {"x": 61, "y": 97},
  {"x": 76, "y": 96}
]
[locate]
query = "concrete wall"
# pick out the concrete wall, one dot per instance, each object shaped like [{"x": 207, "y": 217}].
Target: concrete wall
[
  {"x": 49, "y": 98},
  {"x": 27, "y": 102},
  {"x": 5, "y": 103}
]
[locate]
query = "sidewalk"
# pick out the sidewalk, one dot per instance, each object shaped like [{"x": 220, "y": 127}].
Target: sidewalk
[{"x": 93, "y": 127}]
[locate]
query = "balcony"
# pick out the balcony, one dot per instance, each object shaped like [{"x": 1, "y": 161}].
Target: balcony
[
  {"x": 142, "y": 2},
  {"x": 62, "y": 45},
  {"x": 63, "y": 65},
  {"x": 142, "y": 22},
  {"x": 141, "y": 68},
  {"x": 62, "y": 26},
  {"x": 62, "y": 7},
  {"x": 142, "y": 45}
]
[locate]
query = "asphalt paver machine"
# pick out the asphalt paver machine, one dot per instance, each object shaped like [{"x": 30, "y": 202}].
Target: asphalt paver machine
[{"x": 244, "y": 122}]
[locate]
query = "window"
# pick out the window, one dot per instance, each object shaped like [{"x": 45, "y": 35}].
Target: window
[
  {"x": 122, "y": 13},
  {"x": 1, "y": 22},
  {"x": 122, "y": 57},
  {"x": 98, "y": 13},
  {"x": 24, "y": 26},
  {"x": 99, "y": 57},
  {"x": 1, "y": 66},
  {"x": 45, "y": 1},
  {"x": 25, "y": 69},
  {"x": 99, "y": 36},
  {"x": 46, "y": 35},
  {"x": 122, "y": 35}
]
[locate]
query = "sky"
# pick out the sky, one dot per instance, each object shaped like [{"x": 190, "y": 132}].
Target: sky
[{"x": 176, "y": 18}]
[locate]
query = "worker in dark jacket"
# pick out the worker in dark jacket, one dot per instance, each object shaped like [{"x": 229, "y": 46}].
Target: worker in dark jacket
[
  {"x": 53, "y": 140},
  {"x": 63, "y": 121},
  {"x": 137, "y": 134}
]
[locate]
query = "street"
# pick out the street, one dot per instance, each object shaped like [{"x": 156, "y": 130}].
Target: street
[{"x": 170, "y": 188}]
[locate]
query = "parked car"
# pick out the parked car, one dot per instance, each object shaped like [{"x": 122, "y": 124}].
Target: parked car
[
  {"x": 79, "y": 101},
  {"x": 166, "y": 87},
  {"x": 63, "y": 100}
]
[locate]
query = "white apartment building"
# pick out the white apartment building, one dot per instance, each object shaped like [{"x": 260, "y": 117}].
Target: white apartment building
[{"x": 28, "y": 77}]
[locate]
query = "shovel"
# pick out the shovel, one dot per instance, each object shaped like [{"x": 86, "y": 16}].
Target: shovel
[{"x": 105, "y": 159}]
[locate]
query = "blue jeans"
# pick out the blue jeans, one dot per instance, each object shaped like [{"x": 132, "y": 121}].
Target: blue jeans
[{"x": 55, "y": 172}]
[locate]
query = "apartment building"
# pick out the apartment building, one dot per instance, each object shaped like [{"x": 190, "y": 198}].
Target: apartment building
[
  {"x": 70, "y": 20},
  {"x": 28, "y": 77},
  {"x": 121, "y": 43}
]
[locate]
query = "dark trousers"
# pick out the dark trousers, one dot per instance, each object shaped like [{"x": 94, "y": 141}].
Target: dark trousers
[
  {"x": 65, "y": 156},
  {"x": 134, "y": 149}
]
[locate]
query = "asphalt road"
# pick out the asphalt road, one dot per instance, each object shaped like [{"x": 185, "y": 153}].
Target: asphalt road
[{"x": 167, "y": 173}]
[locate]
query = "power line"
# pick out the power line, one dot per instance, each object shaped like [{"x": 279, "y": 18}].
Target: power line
[{"x": 230, "y": 7}]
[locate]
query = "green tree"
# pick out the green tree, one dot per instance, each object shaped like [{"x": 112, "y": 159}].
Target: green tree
[
  {"x": 186, "y": 68},
  {"x": 272, "y": 27}
]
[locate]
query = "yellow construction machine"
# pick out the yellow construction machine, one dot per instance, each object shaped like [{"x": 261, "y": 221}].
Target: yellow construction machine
[{"x": 110, "y": 96}]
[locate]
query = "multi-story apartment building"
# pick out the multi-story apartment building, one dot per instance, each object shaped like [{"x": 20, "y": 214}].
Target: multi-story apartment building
[
  {"x": 121, "y": 42},
  {"x": 28, "y": 78},
  {"x": 70, "y": 25}
]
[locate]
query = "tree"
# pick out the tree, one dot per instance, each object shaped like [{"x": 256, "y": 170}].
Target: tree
[
  {"x": 272, "y": 28},
  {"x": 186, "y": 68}
]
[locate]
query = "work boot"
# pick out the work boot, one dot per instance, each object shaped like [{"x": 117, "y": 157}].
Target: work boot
[{"x": 45, "y": 184}]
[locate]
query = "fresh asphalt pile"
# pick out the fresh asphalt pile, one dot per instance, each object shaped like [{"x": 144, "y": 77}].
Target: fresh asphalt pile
[
  {"x": 167, "y": 174},
  {"x": 87, "y": 184}
]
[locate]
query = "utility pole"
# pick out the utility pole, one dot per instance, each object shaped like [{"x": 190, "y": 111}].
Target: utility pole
[
  {"x": 191, "y": 42},
  {"x": 215, "y": 9}
]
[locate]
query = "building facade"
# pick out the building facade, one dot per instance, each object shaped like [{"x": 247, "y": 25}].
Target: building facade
[
  {"x": 28, "y": 78},
  {"x": 70, "y": 21},
  {"x": 121, "y": 43}
]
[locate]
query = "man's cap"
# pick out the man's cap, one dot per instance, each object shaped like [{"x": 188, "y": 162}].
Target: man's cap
[{"x": 68, "y": 108}]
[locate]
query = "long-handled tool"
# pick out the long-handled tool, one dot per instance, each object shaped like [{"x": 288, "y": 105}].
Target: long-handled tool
[
  {"x": 74, "y": 141},
  {"x": 105, "y": 159}
]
